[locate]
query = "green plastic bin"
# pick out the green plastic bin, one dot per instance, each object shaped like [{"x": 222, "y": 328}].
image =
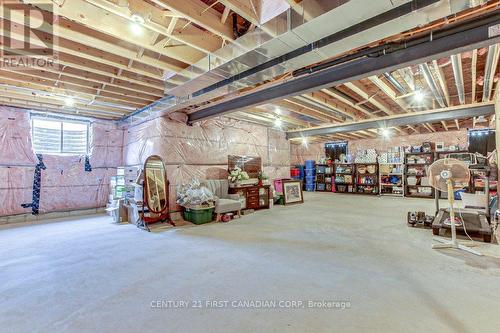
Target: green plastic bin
[{"x": 198, "y": 215}]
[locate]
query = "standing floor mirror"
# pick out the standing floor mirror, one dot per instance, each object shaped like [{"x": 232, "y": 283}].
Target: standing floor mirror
[{"x": 155, "y": 192}]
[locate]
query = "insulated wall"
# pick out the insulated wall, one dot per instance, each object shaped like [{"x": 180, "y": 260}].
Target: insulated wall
[
  {"x": 201, "y": 150},
  {"x": 64, "y": 183}
]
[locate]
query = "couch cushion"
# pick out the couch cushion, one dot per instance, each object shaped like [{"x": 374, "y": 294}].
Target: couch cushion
[
  {"x": 218, "y": 187},
  {"x": 227, "y": 205}
]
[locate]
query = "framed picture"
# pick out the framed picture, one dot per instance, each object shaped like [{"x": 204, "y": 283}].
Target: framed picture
[{"x": 292, "y": 192}]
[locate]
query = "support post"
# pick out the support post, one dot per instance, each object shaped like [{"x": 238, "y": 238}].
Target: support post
[{"x": 497, "y": 137}]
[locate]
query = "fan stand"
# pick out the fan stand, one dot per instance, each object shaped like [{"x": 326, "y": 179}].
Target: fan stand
[{"x": 453, "y": 244}]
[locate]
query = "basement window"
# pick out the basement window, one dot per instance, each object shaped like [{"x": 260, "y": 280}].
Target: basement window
[{"x": 60, "y": 137}]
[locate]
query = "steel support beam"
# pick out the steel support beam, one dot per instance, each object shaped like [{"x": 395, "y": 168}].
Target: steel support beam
[
  {"x": 399, "y": 120},
  {"x": 432, "y": 48}
]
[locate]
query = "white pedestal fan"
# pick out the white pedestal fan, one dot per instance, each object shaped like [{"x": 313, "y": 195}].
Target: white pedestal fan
[{"x": 449, "y": 175}]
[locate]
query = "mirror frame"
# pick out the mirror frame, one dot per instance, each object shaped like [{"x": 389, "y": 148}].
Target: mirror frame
[{"x": 146, "y": 186}]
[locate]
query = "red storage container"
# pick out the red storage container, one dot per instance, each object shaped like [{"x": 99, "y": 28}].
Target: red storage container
[{"x": 295, "y": 172}]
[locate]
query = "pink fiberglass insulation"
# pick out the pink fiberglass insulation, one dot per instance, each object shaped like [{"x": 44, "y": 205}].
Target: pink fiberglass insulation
[
  {"x": 201, "y": 150},
  {"x": 15, "y": 137},
  {"x": 301, "y": 153},
  {"x": 188, "y": 151},
  {"x": 65, "y": 185}
]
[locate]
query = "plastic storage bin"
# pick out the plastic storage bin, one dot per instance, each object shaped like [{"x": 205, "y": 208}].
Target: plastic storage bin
[
  {"x": 310, "y": 187},
  {"x": 310, "y": 164},
  {"x": 310, "y": 172},
  {"x": 198, "y": 215},
  {"x": 310, "y": 180},
  {"x": 302, "y": 169}
]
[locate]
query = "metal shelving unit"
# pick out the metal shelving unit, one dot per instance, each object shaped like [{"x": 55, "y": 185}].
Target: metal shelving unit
[{"x": 386, "y": 186}]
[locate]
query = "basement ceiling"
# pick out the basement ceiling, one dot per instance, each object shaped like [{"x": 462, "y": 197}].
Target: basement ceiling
[{"x": 111, "y": 70}]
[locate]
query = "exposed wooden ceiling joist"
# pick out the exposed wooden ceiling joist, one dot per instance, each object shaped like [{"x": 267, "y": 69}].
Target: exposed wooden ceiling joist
[
  {"x": 198, "y": 13},
  {"x": 327, "y": 101},
  {"x": 42, "y": 84},
  {"x": 61, "y": 78},
  {"x": 93, "y": 17},
  {"x": 164, "y": 23},
  {"x": 247, "y": 9},
  {"x": 372, "y": 99}
]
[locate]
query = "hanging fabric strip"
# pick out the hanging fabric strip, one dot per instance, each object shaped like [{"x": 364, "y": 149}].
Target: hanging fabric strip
[
  {"x": 88, "y": 167},
  {"x": 35, "y": 204}
]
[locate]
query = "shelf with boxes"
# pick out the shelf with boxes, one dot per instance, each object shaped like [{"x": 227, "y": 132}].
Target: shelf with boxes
[
  {"x": 122, "y": 185},
  {"x": 324, "y": 177},
  {"x": 391, "y": 172},
  {"x": 416, "y": 180},
  {"x": 481, "y": 181},
  {"x": 367, "y": 178},
  {"x": 344, "y": 178},
  {"x": 391, "y": 179}
]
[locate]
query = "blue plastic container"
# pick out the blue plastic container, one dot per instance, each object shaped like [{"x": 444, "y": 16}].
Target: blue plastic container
[
  {"x": 310, "y": 172},
  {"x": 310, "y": 187},
  {"x": 310, "y": 180},
  {"x": 320, "y": 186},
  {"x": 302, "y": 170},
  {"x": 310, "y": 164}
]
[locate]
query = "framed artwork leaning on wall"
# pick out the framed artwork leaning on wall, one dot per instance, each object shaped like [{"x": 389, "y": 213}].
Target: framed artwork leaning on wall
[{"x": 292, "y": 192}]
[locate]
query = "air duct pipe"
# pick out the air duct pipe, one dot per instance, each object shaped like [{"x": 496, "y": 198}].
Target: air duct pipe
[
  {"x": 424, "y": 68},
  {"x": 456, "y": 63},
  {"x": 489, "y": 71},
  {"x": 399, "y": 87}
]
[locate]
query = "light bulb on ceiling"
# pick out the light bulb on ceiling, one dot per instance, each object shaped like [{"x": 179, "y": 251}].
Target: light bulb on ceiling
[
  {"x": 418, "y": 96},
  {"x": 278, "y": 122},
  {"x": 136, "y": 28},
  {"x": 304, "y": 141},
  {"x": 69, "y": 101},
  {"x": 385, "y": 132},
  {"x": 138, "y": 19}
]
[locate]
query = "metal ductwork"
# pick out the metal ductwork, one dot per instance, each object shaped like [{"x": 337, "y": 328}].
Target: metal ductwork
[
  {"x": 257, "y": 56},
  {"x": 456, "y": 63},
  {"x": 489, "y": 71},
  {"x": 426, "y": 72},
  {"x": 461, "y": 38},
  {"x": 312, "y": 102},
  {"x": 395, "y": 83}
]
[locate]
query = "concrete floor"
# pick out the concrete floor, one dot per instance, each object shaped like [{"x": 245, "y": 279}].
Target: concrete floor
[{"x": 88, "y": 275}]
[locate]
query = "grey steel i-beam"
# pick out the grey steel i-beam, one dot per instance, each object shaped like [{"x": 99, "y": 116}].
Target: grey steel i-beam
[
  {"x": 456, "y": 42},
  {"x": 399, "y": 120}
]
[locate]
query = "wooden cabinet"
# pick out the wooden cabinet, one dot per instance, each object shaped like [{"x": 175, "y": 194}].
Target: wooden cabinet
[{"x": 256, "y": 197}]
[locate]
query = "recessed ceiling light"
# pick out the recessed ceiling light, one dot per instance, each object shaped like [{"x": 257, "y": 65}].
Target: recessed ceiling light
[
  {"x": 277, "y": 122},
  {"x": 69, "y": 101},
  {"x": 418, "y": 96},
  {"x": 136, "y": 28},
  {"x": 138, "y": 18}
]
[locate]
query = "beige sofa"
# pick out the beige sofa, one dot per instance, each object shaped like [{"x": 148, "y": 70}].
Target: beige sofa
[{"x": 225, "y": 202}]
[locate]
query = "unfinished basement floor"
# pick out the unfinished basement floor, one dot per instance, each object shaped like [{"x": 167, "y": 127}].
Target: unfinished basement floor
[{"x": 89, "y": 275}]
